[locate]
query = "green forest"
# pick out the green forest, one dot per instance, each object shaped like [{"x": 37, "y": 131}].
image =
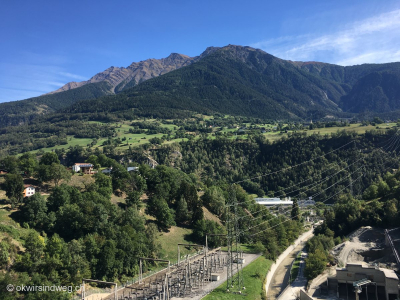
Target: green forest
[
  {"x": 67, "y": 233},
  {"x": 378, "y": 206}
]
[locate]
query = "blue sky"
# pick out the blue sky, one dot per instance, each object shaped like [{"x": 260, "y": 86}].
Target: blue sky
[{"x": 45, "y": 44}]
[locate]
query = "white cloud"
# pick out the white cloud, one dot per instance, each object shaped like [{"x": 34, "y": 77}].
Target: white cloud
[
  {"x": 372, "y": 57},
  {"x": 372, "y": 40},
  {"x": 73, "y": 76},
  {"x": 20, "y": 81}
]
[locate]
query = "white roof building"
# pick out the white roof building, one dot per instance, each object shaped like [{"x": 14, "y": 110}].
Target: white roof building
[{"x": 274, "y": 201}]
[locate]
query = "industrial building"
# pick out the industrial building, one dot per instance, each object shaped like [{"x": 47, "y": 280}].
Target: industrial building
[
  {"x": 274, "y": 201},
  {"x": 360, "y": 281}
]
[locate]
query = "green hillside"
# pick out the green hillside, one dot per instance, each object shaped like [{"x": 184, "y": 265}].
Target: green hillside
[
  {"x": 375, "y": 92},
  {"x": 18, "y": 112}
]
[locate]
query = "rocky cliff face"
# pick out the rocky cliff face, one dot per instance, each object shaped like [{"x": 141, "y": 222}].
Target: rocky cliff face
[{"x": 120, "y": 78}]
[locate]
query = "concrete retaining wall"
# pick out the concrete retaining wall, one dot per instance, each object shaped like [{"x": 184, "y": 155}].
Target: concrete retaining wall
[
  {"x": 281, "y": 257},
  {"x": 304, "y": 296}
]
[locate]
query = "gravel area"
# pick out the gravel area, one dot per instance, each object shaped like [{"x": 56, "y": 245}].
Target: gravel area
[{"x": 362, "y": 240}]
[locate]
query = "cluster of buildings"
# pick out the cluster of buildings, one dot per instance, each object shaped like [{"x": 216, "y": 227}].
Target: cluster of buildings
[{"x": 85, "y": 168}]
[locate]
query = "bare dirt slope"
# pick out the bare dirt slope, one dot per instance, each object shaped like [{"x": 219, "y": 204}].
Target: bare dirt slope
[{"x": 366, "y": 244}]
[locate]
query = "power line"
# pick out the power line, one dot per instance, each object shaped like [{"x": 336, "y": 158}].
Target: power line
[
  {"x": 313, "y": 184},
  {"x": 299, "y": 214},
  {"x": 397, "y": 139},
  {"x": 291, "y": 167},
  {"x": 316, "y": 194}
]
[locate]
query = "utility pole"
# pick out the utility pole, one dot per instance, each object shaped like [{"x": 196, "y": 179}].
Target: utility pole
[
  {"x": 351, "y": 186},
  {"x": 234, "y": 280},
  {"x": 211, "y": 234}
]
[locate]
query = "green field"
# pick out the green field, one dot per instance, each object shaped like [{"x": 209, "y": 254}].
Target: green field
[
  {"x": 133, "y": 140},
  {"x": 169, "y": 241},
  {"x": 295, "y": 268},
  {"x": 253, "y": 276}
]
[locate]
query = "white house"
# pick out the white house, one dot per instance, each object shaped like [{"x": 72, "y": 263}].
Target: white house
[{"x": 29, "y": 191}]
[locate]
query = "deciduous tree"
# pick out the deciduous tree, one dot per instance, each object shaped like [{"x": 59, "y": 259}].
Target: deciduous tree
[{"x": 14, "y": 187}]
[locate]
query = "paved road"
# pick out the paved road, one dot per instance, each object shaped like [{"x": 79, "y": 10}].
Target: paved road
[
  {"x": 282, "y": 274},
  {"x": 292, "y": 291}
]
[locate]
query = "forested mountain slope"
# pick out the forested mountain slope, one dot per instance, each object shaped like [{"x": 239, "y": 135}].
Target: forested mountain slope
[
  {"x": 231, "y": 80},
  {"x": 20, "y": 112},
  {"x": 110, "y": 81},
  {"x": 245, "y": 81},
  {"x": 375, "y": 92}
]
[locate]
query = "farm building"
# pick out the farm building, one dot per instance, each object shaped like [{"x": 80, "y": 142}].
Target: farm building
[{"x": 84, "y": 167}]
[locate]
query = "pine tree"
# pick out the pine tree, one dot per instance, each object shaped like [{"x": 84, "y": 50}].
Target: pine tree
[
  {"x": 182, "y": 213},
  {"x": 295, "y": 211}
]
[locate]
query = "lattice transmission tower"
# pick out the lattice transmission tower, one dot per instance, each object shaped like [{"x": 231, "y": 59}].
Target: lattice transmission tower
[{"x": 234, "y": 282}]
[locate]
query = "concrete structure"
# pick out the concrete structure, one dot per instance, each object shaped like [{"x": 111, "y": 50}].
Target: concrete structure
[
  {"x": 215, "y": 277},
  {"x": 360, "y": 281},
  {"x": 274, "y": 201},
  {"x": 84, "y": 167},
  {"x": 271, "y": 272},
  {"x": 29, "y": 191},
  {"x": 132, "y": 169},
  {"x": 304, "y": 296},
  {"x": 106, "y": 171},
  {"x": 389, "y": 242}
]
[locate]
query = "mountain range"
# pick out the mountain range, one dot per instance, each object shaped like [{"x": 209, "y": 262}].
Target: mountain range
[
  {"x": 233, "y": 80},
  {"x": 123, "y": 78}
]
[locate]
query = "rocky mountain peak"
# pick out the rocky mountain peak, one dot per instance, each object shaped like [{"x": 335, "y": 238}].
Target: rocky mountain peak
[{"x": 120, "y": 77}]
